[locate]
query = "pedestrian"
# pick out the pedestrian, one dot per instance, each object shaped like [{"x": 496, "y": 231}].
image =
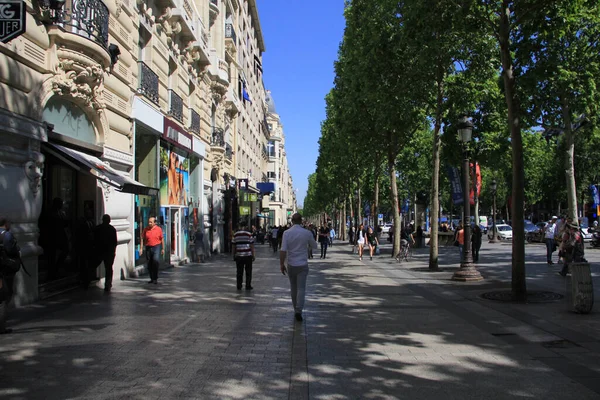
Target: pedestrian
[
  {"x": 360, "y": 240},
  {"x": 331, "y": 235},
  {"x": 372, "y": 241},
  {"x": 459, "y": 239},
  {"x": 559, "y": 231},
  {"x": 572, "y": 246},
  {"x": 274, "y": 233},
  {"x": 105, "y": 236},
  {"x": 294, "y": 244},
  {"x": 8, "y": 269},
  {"x": 324, "y": 240},
  {"x": 152, "y": 237},
  {"x": 243, "y": 255},
  {"x": 549, "y": 232},
  {"x": 476, "y": 242},
  {"x": 351, "y": 237},
  {"x": 87, "y": 255},
  {"x": 419, "y": 235},
  {"x": 56, "y": 230},
  {"x": 199, "y": 244},
  {"x": 280, "y": 235}
]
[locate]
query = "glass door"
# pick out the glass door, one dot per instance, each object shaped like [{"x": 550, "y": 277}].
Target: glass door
[{"x": 175, "y": 226}]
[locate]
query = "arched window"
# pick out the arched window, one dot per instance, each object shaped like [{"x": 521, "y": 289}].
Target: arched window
[{"x": 69, "y": 120}]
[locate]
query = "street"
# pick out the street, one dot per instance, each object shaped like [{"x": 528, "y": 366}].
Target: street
[{"x": 371, "y": 330}]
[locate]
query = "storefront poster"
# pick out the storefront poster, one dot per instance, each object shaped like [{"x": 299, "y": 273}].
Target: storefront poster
[
  {"x": 244, "y": 210},
  {"x": 174, "y": 178}
]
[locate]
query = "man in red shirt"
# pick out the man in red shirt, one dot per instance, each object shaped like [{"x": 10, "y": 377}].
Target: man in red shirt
[{"x": 153, "y": 241}]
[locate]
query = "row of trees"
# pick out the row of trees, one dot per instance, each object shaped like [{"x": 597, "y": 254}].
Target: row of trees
[{"x": 405, "y": 72}]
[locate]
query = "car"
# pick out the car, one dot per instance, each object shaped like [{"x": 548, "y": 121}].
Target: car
[
  {"x": 385, "y": 228},
  {"x": 537, "y": 235},
  {"x": 503, "y": 232},
  {"x": 584, "y": 227},
  {"x": 529, "y": 227}
]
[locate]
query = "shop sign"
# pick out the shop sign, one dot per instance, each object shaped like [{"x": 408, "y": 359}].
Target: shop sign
[
  {"x": 252, "y": 197},
  {"x": 174, "y": 134},
  {"x": 243, "y": 184},
  {"x": 244, "y": 210},
  {"x": 12, "y": 19},
  {"x": 199, "y": 147}
]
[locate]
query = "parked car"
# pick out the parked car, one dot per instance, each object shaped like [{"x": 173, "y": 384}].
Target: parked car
[
  {"x": 587, "y": 236},
  {"x": 385, "y": 228},
  {"x": 503, "y": 232},
  {"x": 537, "y": 235},
  {"x": 529, "y": 227}
]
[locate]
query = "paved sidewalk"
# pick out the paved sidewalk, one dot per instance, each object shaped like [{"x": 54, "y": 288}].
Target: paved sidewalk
[{"x": 372, "y": 330}]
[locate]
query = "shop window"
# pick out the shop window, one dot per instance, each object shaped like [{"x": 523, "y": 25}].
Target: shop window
[{"x": 69, "y": 120}]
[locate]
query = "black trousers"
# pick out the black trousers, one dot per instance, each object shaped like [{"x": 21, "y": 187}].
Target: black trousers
[
  {"x": 475, "y": 250},
  {"x": 324, "y": 247},
  {"x": 244, "y": 263},
  {"x": 109, "y": 260}
]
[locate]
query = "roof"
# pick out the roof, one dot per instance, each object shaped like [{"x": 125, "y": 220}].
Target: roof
[{"x": 270, "y": 103}]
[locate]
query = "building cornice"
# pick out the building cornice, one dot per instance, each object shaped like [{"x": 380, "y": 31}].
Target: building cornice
[{"x": 257, "y": 27}]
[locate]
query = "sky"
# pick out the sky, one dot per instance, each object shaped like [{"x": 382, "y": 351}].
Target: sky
[{"x": 302, "y": 38}]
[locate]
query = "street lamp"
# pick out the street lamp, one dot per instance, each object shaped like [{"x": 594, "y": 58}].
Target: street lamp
[
  {"x": 494, "y": 186},
  {"x": 467, "y": 270}
]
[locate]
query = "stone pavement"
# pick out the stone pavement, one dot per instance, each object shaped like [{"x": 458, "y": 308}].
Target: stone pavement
[{"x": 372, "y": 330}]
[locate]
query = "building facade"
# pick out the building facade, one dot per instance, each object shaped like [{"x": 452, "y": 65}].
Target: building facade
[{"x": 133, "y": 109}]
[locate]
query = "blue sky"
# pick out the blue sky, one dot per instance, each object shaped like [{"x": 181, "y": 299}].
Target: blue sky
[{"x": 302, "y": 39}]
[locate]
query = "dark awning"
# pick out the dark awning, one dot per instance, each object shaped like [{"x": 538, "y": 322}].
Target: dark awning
[{"x": 98, "y": 169}]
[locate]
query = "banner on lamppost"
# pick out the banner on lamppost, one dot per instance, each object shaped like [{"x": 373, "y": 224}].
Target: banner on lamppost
[
  {"x": 595, "y": 194},
  {"x": 12, "y": 19},
  {"x": 455, "y": 185}
]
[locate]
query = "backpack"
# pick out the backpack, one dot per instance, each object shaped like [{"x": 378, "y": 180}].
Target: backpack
[{"x": 8, "y": 265}]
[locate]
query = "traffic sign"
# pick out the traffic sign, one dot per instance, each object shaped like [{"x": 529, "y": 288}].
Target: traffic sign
[
  {"x": 380, "y": 216},
  {"x": 12, "y": 19}
]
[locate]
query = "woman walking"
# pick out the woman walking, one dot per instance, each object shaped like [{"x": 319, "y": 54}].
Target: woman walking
[
  {"x": 372, "y": 241},
  {"x": 360, "y": 240},
  {"x": 459, "y": 237}
]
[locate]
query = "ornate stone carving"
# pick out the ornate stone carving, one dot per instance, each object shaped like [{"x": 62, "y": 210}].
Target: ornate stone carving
[
  {"x": 218, "y": 90},
  {"x": 84, "y": 83},
  {"x": 107, "y": 189},
  {"x": 119, "y": 5},
  {"x": 34, "y": 170}
]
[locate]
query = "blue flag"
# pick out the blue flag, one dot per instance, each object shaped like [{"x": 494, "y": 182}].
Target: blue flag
[{"x": 455, "y": 185}]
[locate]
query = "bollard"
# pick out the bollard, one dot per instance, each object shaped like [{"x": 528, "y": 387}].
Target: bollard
[{"x": 580, "y": 289}]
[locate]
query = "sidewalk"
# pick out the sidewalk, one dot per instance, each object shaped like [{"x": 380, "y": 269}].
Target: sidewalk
[{"x": 372, "y": 330}]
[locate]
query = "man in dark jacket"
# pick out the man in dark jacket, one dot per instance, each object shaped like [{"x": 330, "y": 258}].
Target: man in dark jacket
[
  {"x": 13, "y": 251},
  {"x": 476, "y": 242},
  {"x": 106, "y": 244}
]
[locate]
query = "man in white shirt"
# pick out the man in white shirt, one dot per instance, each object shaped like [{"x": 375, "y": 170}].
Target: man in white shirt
[
  {"x": 549, "y": 238},
  {"x": 294, "y": 244}
]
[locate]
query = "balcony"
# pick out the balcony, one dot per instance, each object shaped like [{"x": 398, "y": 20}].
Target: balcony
[
  {"x": 232, "y": 102},
  {"x": 218, "y": 70},
  {"x": 218, "y": 138},
  {"x": 214, "y": 9},
  {"x": 87, "y": 18},
  {"x": 230, "y": 38},
  {"x": 195, "y": 122},
  {"x": 148, "y": 83},
  {"x": 201, "y": 43},
  {"x": 175, "y": 106}
]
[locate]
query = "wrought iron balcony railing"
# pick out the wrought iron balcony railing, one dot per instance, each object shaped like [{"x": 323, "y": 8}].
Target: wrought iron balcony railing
[
  {"x": 230, "y": 32},
  {"x": 228, "y": 152},
  {"x": 87, "y": 18},
  {"x": 218, "y": 137},
  {"x": 148, "y": 85},
  {"x": 195, "y": 124},
  {"x": 175, "y": 106}
]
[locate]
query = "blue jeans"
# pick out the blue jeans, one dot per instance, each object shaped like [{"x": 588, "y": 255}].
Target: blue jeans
[
  {"x": 549, "y": 249},
  {"x": 297, "y": 276},
  {"x": 153, "y": 257},
  {"x": 461, "y": 249}
]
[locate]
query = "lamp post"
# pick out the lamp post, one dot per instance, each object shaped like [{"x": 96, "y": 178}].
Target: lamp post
[
  {"x": 494, "y": 186},
  {"x": 467, "y": 270}
]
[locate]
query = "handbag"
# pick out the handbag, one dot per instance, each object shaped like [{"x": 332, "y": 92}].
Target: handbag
[
  {"x": 456, "y": 243},
  {"x": 377, "y": 251}
]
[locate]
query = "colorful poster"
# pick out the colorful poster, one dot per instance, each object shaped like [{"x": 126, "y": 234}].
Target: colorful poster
[
  {"x": 478, "y": 182},
  {"x": 174, "y": 178},
  {"x": 244, "y": 210}
]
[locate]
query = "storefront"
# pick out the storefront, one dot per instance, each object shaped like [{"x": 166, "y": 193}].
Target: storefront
[{"x": 83, "y": 180}]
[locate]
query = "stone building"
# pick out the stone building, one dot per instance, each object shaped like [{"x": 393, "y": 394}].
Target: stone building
[{"x": 134, "y": 109}]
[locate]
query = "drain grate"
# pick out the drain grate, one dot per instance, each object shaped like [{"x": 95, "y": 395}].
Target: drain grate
[{"x": 532, "y": 296}]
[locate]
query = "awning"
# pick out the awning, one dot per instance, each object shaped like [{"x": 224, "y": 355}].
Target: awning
[{"x": 98, "y": 169}]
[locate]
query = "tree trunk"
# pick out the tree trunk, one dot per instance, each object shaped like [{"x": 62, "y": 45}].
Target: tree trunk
[
  {"x": 435, "y": 179},
  {"x": 343, "y": 221},
  {"x": 374, "y": 211},
  {"x": 396, "y": 210},
  {"x": 570, "y": 162},
  {"x": 519, "y": 284}
]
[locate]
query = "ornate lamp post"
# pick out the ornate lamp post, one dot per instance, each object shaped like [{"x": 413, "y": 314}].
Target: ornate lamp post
[
  {"x": 467, "y": 270},
  {"x": 494, "y": 186}
]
